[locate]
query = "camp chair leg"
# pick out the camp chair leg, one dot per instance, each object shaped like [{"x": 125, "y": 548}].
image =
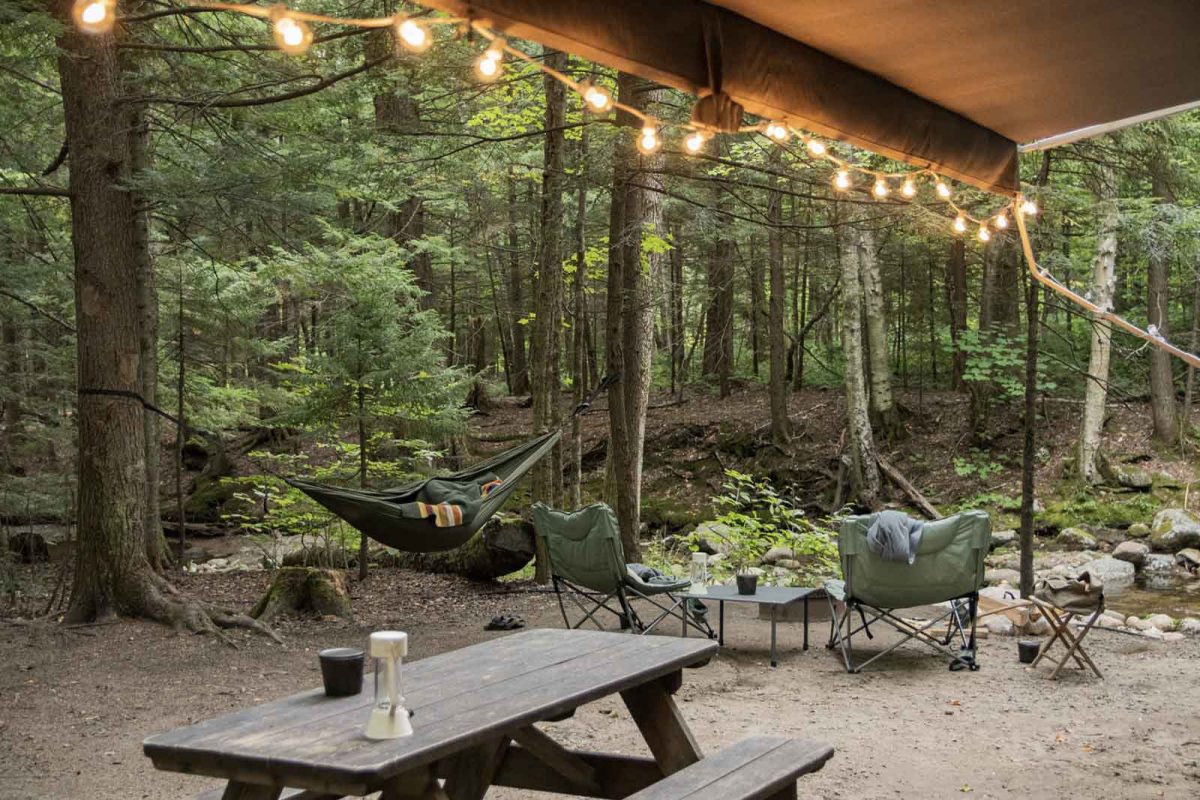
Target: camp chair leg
[{"x": 670, "y": 606}]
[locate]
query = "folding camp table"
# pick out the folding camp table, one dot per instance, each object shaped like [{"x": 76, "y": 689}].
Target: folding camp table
[
  {"x": 475, "y": 715},
  {"x": 773, "y": 597}
]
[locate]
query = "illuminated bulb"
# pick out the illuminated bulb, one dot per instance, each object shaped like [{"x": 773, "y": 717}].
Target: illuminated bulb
[
  {"x": 841, "y": 179},
  {"x": 292, "y": 35},
  {"x": 984, "y": 233},
  {"x": 777, "y": 131},
  {"x": 1002, "y": 221},
  {"x": 909, "y": 188},
  {"x": 1029, "y": 208},
  {"x": 694, "y": 142},
  {"x": 960, "y": 223},
  {"x": 413, "y": 36},
  {"x": 943, "y": 191},
  {"x": 881, "y": 188},
  {"x": 816, "y": 147},
  {"x": 597, "y": 97},
  {"x": 95, "y": 16},
  {"x": 648, "y": 142},
  {"x": 488, "y": 65}
]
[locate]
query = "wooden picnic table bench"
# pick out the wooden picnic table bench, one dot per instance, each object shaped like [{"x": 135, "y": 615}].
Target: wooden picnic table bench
[
  {"x": 475, "y": 717},
  {"x": 761, "y": 768}
]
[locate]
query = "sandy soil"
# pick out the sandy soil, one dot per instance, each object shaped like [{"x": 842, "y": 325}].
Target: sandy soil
[{"x": 75, "y": 705}]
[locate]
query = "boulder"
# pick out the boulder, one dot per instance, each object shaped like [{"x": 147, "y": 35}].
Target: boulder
[
  {"x": 1136, "y": 623},
  {"x": 1190, "y": 626},
  {"x": 1133, "y": 552},
  {"x": 1158, "y": 564},
  {"x": 999, "y": 625},
  {"x": 788, "y": 563},
  {"x": 1076, "y": 538},
  {"x": 1172, "y": 636},
  {"x": 992, "y": 577},
  {"x": 1003, "y": 538},
  {"x": 1154, "y": 633},
  {"x": 712, "y": 537},
  {"x": 1164, "y": 622},
  {"x": 1174, "y": 529},
  {"x": 1189, "y": 559},
  {"x": 777, "y": 554},
  {"x": 1110, "y": 570},
  {"x": 1138, "y": 530}
]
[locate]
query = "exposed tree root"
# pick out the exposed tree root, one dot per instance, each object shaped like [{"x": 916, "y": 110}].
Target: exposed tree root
[{"x": 160, "y": 601}]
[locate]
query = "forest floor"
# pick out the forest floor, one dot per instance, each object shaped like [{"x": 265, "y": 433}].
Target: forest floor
[{"x": 76, "y": 704}]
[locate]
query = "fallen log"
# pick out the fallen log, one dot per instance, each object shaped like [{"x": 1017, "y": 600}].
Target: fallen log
[
  {"x": 499, "y": 549},
  {"x": 907, "y": 488}
]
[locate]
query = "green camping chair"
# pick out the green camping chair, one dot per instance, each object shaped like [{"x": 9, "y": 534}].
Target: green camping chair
[
  {"x": 587, "y": 567},
  {"x": 948, "y": 568}
]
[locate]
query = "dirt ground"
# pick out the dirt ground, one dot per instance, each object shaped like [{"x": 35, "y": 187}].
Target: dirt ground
[{"x": 75, "y": 705}]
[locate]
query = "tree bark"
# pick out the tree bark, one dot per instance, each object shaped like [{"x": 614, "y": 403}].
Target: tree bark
[
  {"x": 781, "y": 426},
  {"x": 956, "y": 288},
  {"x": 579, "y": 361},
  {"x": 884, "y": 418},
  {"x": 1028, "y": 457},
  {"x": 1103, "y": 284},
  {"x": 519, "y": 369},
  {"x": 1163, "y": 407},
  {"x": 717, "y": 359},
  {"x": 864, "y": 474},
  {"x": 1189, "y": 388}
]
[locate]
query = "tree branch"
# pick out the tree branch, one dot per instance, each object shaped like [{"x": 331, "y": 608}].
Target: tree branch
[
  {"x": 44, "y": 191},
  {"x": 38, "y": 310}
]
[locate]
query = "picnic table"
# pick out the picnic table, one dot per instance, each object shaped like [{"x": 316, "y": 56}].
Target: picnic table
[{"x": 475, "y": 715}]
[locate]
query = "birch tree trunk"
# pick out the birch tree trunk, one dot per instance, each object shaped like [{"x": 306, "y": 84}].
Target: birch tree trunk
[
  {"x": 882, "y": 406},
  {"x": 1158, "y": 290},
  {"x": 1103, "y": 284},
  {"x": 864, "y": 473}
]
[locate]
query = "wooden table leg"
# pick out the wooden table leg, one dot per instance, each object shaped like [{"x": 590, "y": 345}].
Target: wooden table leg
[
  {"x": 662, "y": 726},
  {"x": 236, "y": 790},
  {"x": 470, "y": 773},
  {"x": 420, "y": 784}
]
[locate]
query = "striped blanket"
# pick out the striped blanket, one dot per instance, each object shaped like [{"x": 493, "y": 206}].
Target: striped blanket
[{"x": 449, "y": 504}]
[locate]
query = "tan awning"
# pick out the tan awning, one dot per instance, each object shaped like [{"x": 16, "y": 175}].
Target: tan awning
[{"x": 956, "y": 85}]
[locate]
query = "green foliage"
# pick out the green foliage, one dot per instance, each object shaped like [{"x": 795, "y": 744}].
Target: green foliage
[{"x": 978, "y": 464}]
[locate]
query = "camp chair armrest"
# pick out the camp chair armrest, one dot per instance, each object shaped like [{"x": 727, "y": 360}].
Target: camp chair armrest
[{"x": 645, "y": 587}]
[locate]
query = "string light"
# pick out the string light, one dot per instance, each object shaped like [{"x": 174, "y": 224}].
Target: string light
[
  {"x": 777, "y": 131},
  {"x": 909, "y": 189},
  {"x": 841, "y": 180},
  {"x": 292, "y": 35},
  {"x": 649, "y": 141},
  {"x": 488, "y": 65},
  {"x": 881, "y": 188},
  {"x": 960, "y": 224},
  {"x": 1029, "y": 208},
  {"x": 984, "y": 233},
  {"x": 943, "y": 191},
  {"x": 597, "y": 97},
  {"x": 413, "y": 36},
  {"x": 816, "y": 147},
  {"x": 694, "y": 142},
  {"x": 1001, "y": 220},
  {"x": 95, "y": 16}
]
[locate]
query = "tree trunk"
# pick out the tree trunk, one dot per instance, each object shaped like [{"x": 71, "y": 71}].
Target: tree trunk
[
  {"x": 363, "y": 543},
  {"x": 1103, "y": 283},
  {"x": 956, "y": 287},
  {"x": 630, "y": 310},
  {"x": 884, "y": 417},
  {"x": 675, "y": 314},
  {"x": 1028, "y": 456},
  {"x": 1190, "y": 384},
  {"x": 516, "y": 296},
  {"x": 757, "y": 301},
  {"x": 864, "y": 466},
  {"x": 579, "y": 368},
  {"x": 544, "y": 345},
  {"x": 717, "y": 359},
  {"x": 781, "y": 426},
  {"x": 1158, "y": 297}
]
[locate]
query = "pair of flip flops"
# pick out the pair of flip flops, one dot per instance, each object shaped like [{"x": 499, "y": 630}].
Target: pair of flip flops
[{"x": 504, "y": 622}]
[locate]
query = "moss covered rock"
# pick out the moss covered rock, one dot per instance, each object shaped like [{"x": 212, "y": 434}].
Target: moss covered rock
[
  {"x": 1174, "y": 529},
  {"x": 1076, "y": 538}
]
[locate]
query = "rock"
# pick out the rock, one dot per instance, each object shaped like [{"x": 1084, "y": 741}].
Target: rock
[
  {"x": 776, "y": 554},
  {"x": 1165, "y": 480},
  {"x": 1077, "y": 538},
  {"x": 1153, "y": 633},
  {"x": 1164, "y": 622},
  {"x": 788, "y": 563},
  {"x": 1110, "y": 570},
  {"x": 712, "y": 537},
  {"x": 993, "y": 577},
  {"x": 1133, "y": 552},
  {"x": 1188, "y": 558},
  {"x": 1000, "y": 625},
  {"x": 1136, "y": 623},
  {"x": 1138, "y": 530},
  {"x": 1174, "y": 529},
  {"x": 1158, "y": 563},
  {"x": 1172, "y": 637},
  {"x": 1129, "y": 476},
  {"x": 1189, "y": 625},
  {"x": 1003, "y": 538},
  {"x": 1037, "y": 627},
  {"x": 1115, "y": 617}
]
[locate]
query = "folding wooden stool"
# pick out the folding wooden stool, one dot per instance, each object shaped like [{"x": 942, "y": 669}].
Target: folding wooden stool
[{"x": 1060, "y": 622}]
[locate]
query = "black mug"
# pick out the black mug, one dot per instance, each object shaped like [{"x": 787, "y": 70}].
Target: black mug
[{"x": 342, "y": 671}]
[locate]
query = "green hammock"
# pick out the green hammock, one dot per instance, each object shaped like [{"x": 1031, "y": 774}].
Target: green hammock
[{"x": 394, "y": 517}]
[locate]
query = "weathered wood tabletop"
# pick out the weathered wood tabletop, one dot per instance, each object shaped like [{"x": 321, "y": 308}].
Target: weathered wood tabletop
[{"x": 474, "y": 714}]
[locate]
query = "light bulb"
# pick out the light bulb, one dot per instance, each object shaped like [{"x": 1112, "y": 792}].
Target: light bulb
[
  {"x": 1029, "y": 208},
  {"x": 960, "y": 223},
  {"x": 413, "y": 36},
  {"x": 597, "y": 97},
  {"x": 984, "y": 233},
  {"x": 777, "y": 131},
  {"x": 816, "y": 147},
  {"x": 1002, "y": 221},
  {"x": 648, "y": 142},
  {"x": 488, "y": 65},
  {"x": 694, "y": 142},
  {"x": 909, "y": 188},
  {"x": 881, "y": 188},
  {"x": 95, "y": 16},
  {"x": 292, "y": 35},
  {"x": 943, "y": 191},
  {"x": 841, "y": 179}
]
